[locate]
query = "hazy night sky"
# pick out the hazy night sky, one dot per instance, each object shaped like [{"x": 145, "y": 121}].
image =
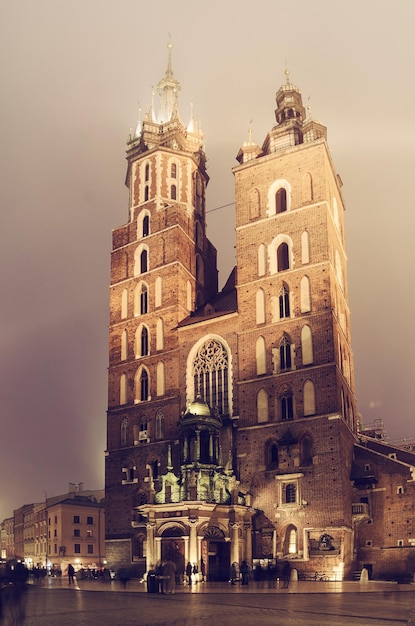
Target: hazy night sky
[{"x": 72, "y": 74}]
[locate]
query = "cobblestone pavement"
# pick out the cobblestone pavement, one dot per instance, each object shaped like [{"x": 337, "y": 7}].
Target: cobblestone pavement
[{"x": 315, "y": 604}]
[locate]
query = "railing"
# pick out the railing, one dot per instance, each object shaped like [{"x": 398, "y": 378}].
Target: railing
[{"x": 360, "y": 508}]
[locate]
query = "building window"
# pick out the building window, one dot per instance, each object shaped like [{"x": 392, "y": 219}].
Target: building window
[
  {"x": 309, "y": 398},
  {"x": 306, "y": 451},
  {"x": 144, "y": 385},
  {"x": 76, "y": 519},
  {"x": 285, "y": 353},
  {"x": 290, "y": 493},
  {"x": 143, "y": 261},
  {"x": 146, "y": 193},
  {"x": 261, "y": 366},
  {"x": 77, "y": 532},
  {"x": 124, "y": 430},
  {"x": 211, "y": 375},
  {"x": 89, "y": 519},
  {"x": 262, "y": 406},
  {"x": 287, "y": 411},
  {"x": 173, "y": 192},
  {"x": 143, "y": 299},
  {"x": 284, "y": 302},
  {"x": 283, "y": 257},
  {"x": 159, "y": 424},
  {"x": 281, "y": 200},
  {"x": 77, "y": 548},
  {"x": 90, "y": 548},
  {"x": 147, "y": 172},
  {"x": 89, "y": 533},
  {"x": 173, "y": 170},
  {"x": 146, "y": 225}
]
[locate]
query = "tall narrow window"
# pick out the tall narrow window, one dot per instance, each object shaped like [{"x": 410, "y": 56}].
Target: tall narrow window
[
  {"x": 281, "y": 200},
  {"x": 159, "y": 335},
  {"x": 143, "y": 299},
  {"x": 305, "y": 247},
  {"x": 147, "y": 172},
  {"x": 262, "y": 259},
  {"x": 284, "y": 302},
  {"x": 159, "y": 424},
  {"x": 309, "y": 397},
  {"x": 260, "y": 306},
  {"x": 160, "y": 379},
  {"x": 146, "y": 225},
  {"x": 285, "y": 353},
  {"x": 262, "y": 406},
  {"x": 146, "y": 193},
  {"x": 144, "y": 342},
  {"x": 144, "y": 385},
  {"x": 305, "y": 297},
  {"x": 283, "y": 259},
  {"x": 143, "y": 261},
  {"x": 261, "y": 367},
  {"x": 306, "y": 450},
  {"x": 306, "y": 345},
  {"x": 124, "y": 429},
  {"x": 173, "y": 170},
  {"x": 287, "y": 412},
  {"x": 123, "y": 389},
  {"x": 173, "y": 192}
]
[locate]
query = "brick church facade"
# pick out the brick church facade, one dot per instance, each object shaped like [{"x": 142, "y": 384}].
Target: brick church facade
[{"x": 232, "y": 429}]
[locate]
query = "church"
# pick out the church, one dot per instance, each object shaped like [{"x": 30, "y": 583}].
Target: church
[{"x": 232, "y": 427}]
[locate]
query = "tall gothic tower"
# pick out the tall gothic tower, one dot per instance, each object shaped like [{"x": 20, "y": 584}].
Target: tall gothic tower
[{"x": 231, "y": 415}]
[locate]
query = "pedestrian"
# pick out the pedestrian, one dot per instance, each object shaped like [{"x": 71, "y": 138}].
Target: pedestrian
[
  {"x": 202, "y": 570},
  {"x": 245, "y": 572},
  {"x": 169, "y": 577},
  {"x": 195, "y": 573},
  {"x": 286, "y": 573},
  {"x": 189, "y": 573},
  {"x": 71, "y": 573},
  {"x": 233, "y": 573}
]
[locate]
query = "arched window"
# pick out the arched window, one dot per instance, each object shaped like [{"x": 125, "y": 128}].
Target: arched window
[
  {"x": 144, "y": 342},
  {"x": 159, "y": 424},
  {"x": 285, "y": 353},
  {"x": 281, "y": 200},
  {"x": 160, "y": 379},
  {"x": 262, "y": 406},
  {"x": 159, "y": 335},
  {"x": 123, "y": 389},
  {"x": 143, "y": 299},
  {"x": 261, "y": 367},
  {"x": 159, "y": 291},
  {"x": 283, "y": 257},
  {"x": 147, "y": 172},
  {"x": 143, "y": 262},
  {"x": 144, "y": 385},
  {"x": 173, "y": 170},
  {"x": 146, "y": 193},
  {"x": 286, "y": 401},
  {"x": 306, "y": 345},
  {"x": 124, "y": 429},
  {"x": 306, "y": 450},
  {"x": 309, "y": 398},
  {"x": 305, "y": 247},
  {"x": 210, "y": 372},
  {"x": 260, "y": 306},
  {"x": 305, "y": 297},
  {"x": 146, "y": 226},
  {"x": 173, "y": 192},
  {"x": 284, "y": 302}
]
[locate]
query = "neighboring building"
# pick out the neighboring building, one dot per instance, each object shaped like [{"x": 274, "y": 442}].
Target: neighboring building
[
  {"x": 62, "y": 529},
  {"x": 232, "y": 428}
]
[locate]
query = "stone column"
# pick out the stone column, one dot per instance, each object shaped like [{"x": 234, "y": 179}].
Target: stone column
[
  {"x": 248, "y": 542},
  {"x": 234, "y": 528},
  {"x": 151, "y": 557},
  {"x": 193, "y": 551}
]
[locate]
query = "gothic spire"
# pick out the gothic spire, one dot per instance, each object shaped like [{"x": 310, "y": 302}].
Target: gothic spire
[{"x": 168, "y": 90}]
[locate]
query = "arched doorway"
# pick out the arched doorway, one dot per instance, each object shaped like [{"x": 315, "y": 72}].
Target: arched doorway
[
  {"x": 216, "y": 553},
  {"x": 172, "y": 548}
]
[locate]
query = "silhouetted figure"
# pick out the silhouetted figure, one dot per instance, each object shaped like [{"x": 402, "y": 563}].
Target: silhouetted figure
[
  {"x": 233, "y": 573},
  {"x": 202, "y": 570},
  {"x": 169, "y": 577},
  {"x": 71, "y": 574},
  {"x": 286, "y": 573},
  {"x": 189, "y": 571},
  {"x": 245, "y": 572}
]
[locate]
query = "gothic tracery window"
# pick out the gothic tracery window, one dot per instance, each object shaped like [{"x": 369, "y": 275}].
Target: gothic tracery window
[{"x": 210, "y": 375}]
